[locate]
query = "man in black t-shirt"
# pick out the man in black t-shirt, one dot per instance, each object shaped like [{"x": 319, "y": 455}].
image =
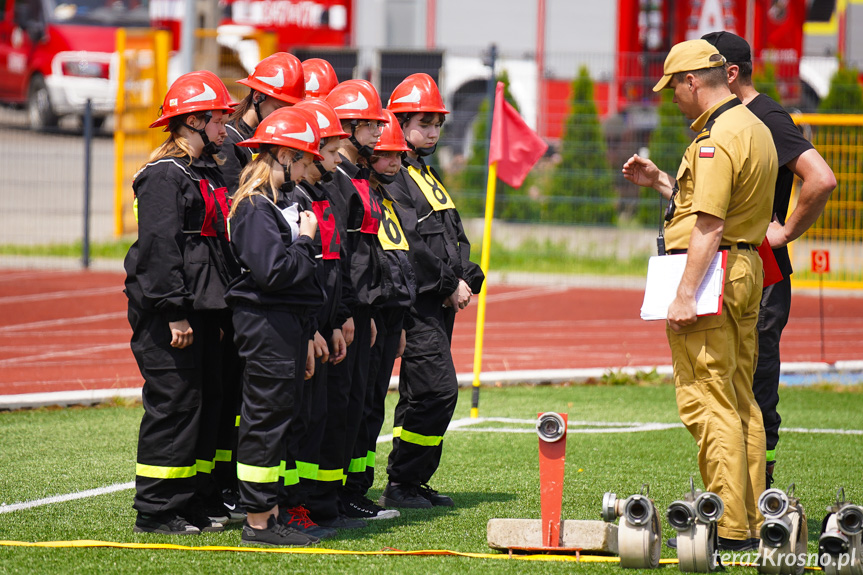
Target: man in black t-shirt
[{"x": 796, "y": 157}]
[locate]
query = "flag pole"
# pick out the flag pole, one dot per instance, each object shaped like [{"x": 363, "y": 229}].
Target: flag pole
[{"x": 484, "y": 264}]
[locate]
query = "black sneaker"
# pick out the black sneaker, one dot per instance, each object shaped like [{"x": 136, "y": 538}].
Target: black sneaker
[
  {"x": 216, "y": 512},
  {"x": 403, "y": 495},
  {"x": 724, "y": 544},
  {"x": 232, "y": 508},
  {"x": 342, "y": 522},
  {"x": 203, "y": 521},
  {"x": 360, "y": 507},
  {"x": 165, "y": 523},
  {"x": 276, "y": 534},
  {"x": 298, "y": 518},
  {"x": 437, "y": 499}
]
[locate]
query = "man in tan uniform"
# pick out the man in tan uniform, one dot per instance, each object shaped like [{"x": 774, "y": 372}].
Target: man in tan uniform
[{"x": 722, "y": 200}]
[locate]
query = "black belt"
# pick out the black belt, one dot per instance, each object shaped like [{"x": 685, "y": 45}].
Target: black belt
[{"x": 740, "y": 246}]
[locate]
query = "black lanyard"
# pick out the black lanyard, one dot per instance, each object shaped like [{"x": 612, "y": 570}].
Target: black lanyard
[{"x": 669, "y": 211}]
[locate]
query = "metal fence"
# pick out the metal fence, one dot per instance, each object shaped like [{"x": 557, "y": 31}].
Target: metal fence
[
  {"x": 839, "y": 230},
  {"x": 42, "y": 185},
  {"x": 575, "y": 213}
]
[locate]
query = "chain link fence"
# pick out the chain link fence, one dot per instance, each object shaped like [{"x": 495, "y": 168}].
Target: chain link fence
[{"x": 575, "y": 213}]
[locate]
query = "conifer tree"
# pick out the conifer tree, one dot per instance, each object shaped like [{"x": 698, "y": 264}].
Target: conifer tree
[
  {"x": 666, "y": 144},
  {"x": 845, "y": 96},
  {"x": 581, "y": 189},
  {"x": 470, "y": 184},
  {"x": 765, "y": 81}
]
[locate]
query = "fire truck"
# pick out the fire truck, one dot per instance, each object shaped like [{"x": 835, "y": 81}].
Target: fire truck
[{"x": 54, "y": 56}]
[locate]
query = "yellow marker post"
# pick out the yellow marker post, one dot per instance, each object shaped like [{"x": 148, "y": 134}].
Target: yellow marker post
[
  {"x": 484, "y": 261},
  {"x": 119, "y": 133}
]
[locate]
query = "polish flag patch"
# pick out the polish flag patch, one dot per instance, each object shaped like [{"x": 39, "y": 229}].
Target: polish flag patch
[{"x": 706, "y": 151}]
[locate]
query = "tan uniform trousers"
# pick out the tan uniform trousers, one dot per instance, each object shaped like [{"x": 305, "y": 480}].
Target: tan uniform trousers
[{"x": 714, "y": 362}]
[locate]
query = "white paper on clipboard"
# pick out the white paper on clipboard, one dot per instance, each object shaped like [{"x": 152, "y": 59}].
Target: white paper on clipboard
[{"x": 663, "y": 277}]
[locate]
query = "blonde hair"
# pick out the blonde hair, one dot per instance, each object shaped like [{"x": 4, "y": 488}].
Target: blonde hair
[
  {"x": 260, "y": 170},
  {"x": 177, "y": 145}
]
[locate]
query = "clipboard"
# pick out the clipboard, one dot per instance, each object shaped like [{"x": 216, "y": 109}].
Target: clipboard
[{"x": 663, "y": 277}]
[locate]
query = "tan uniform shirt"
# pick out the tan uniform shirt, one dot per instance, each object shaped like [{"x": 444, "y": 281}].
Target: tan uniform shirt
[{"x": 728, "y": 171}]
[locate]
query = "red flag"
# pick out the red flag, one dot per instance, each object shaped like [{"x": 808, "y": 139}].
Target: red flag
[
  {"x": 514, "y": 146},
  {"x": 772, "y": 273}
]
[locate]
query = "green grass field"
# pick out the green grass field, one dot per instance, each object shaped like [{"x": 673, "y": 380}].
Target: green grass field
[
  {"x": 545, "y": 257},
  {"x": 490, "y": 474}
]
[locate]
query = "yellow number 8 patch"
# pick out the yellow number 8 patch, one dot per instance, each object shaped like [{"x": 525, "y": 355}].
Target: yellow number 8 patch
[
  {"x": 390, "y": 232},
  {"x": 432, "y": 189}
]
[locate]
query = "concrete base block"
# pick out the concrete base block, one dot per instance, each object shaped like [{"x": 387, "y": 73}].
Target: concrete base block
[{"x": 589, "y": 536}]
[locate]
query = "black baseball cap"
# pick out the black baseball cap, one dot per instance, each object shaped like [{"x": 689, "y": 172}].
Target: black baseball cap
[{"x": 732, "y": 46}]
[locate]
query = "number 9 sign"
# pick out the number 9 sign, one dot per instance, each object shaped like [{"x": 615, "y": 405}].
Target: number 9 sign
[{"x": 820, "y": 261}]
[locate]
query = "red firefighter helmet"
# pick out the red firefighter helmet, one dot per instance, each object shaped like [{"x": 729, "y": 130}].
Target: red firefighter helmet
[
  {"x": 392, "y": 137},
  {"x": 356, "y": 100},
  {"x": 320, "y": 77},
  {"x": 417, "y": 93},
  {"x": 328, "y": 121},
  {"x": 279, "y": 76},
  {"x": 228, "y": 97},
  {"x": 194, "y": 92},
  {"x": 288, "y": 127}
]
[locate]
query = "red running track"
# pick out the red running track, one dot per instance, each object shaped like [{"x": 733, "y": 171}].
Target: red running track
[{"x": 65, "y": 331}]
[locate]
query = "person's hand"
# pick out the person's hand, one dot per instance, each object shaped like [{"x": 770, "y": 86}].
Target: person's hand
[
  {"x": 452, "y": 299},
  {"x": 402, "y": 343},
  {"x": 310, "y": 360},
  {"x": 181, "y": 333},
  {"x": 464, "y": 294},
  {"x": 340, "y": 348},
  {"x": 641, "y": 171},
  {"x": 681, "y": 313},
  {"x": 348, "y": 330},
  {"x": 321, "y": 350},
  {"x": 776, "y": 234},
  {"x": 374, "y": 333},
  {"x": 308, "y": 223}
]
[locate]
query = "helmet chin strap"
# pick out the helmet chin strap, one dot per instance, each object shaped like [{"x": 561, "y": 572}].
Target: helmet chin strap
[
  {"x": 257, "y": 104},
  {"x": 423, "y": 151},
  {"x": 384, "y": 178},
  {"x": 363, "y": 151},
  {"x": 210, "y": 148},
  {"x": 288, "y": 185},
  {"x": 325, "y": 175}
]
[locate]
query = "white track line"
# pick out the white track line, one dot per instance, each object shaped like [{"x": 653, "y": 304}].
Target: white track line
[
  {"x": 465, "y": 424},
  {"x": 522, "y": 294},
  {"x": 67, "y": 497},
  {"x": 9, "y": 277},
  {"x": 89, "y": 349},
  {"x": 35, "y": 325},
  {"x": 610, "y": 426},
  {"x": 131, "y": 485},
  {"x": 70, "y": 294}
]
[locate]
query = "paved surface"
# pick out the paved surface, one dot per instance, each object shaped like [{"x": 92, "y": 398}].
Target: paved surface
[
  {"x": 67, "y": 331},
  {"x": 42, "y": 192}
]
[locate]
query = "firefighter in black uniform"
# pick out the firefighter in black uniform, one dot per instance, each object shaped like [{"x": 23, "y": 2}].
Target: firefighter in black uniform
[
  {"x": 389, "y": 319},
  {"x": 176, "y": 273},
  {"x": 330, "y": 346},
  {"x": 274, "y": 302},
  {"x": 277, "y": 81},
  {"x": 359, "y": 109},
  {"x": 320, "y": 77},
  {"x": 428, "y": 388}
]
